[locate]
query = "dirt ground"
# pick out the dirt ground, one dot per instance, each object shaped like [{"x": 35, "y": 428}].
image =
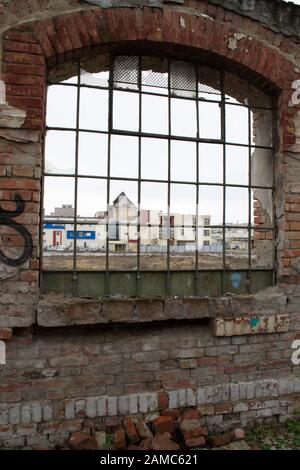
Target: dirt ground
[{"x": 128, "y": 262}]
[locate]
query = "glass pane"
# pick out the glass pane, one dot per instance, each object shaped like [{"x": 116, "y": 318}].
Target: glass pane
[
  {"x": 155, "y": 75},
  {"x": 210, "y": 205},
  {"x": 237, "y": 208},
  {"x": 262, "y": 127},
  {"x": 60, "y": 152},
  {"x": 154, "y": 114},
  {"x": 183, "y": 161},
  {"x": 236, "y": 89},
  {"x": 97, "y": 79},
  {"x": 182, "y": 248},
  {"x": 209, "y": 83},
  {"x": 93, "y": 109},
  {"x": 210, "y": 245},
  {"x": 59, "y": 197},
  {"x": 262, "y": 167},
  {"x": 92, "y": 154},
  {"x": 211, "y": 163},
  {"x": 91, "y": 198},
  {"x": 183, "y": 202},
  {"x": 125, "y": 111},
  {"x": 209, "y": 120},
  {"x": 259, "y": 98},
  {"x": 57, "y": 246},
  {"x": 262, "y": 253},
  {"x": 183, "y": 118},
  {"x": 90, "y": 246},
  {"x": 123, "y": 202},
  {"x": 237, "y": 165},
  {"x": 262, "y": 207},
  {"x": 154, "y": 159},
  {"x": 61, "y": 106},
  {"x": 154, "y": 198},
  {"x": 124, "y": 156},
  {"x": 153, "y": 244},
  {"x": 237, "y": 124},
  {"x": 237, "y": 248},
  {"x": 183, "y": 79},
  {"x": 123, "y": 247}
]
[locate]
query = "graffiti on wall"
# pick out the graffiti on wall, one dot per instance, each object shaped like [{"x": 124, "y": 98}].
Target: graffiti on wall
[{"x": 6, "y": 218}]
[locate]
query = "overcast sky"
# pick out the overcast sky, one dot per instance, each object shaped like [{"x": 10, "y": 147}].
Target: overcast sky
[{"x": 92, "y": 193}]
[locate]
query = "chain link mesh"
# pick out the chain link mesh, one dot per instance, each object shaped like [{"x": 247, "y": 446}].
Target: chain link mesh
[
  {"x": 209, "y": 81},
  {"x": 126, "y": 69}
]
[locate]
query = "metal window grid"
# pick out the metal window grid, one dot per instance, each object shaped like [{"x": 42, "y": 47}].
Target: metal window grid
[{"x": 152, "y": 85}]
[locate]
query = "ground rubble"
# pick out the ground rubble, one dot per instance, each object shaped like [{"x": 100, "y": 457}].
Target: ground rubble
[{"x": 162, "y": 433}]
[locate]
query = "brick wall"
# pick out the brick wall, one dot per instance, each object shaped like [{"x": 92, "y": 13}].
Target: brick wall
[{"x": 58, "y": 380}]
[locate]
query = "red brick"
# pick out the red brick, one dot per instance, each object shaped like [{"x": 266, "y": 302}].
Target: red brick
[
  {"x": 82, "y": 441},
  {"x": 63, "y": 34},
  {"x": 91, "y": 25},
  {"x": 220, "y": 439},
  {"x": 20, "y": 58},
  {"x": 20, "y": 36},
  {"x": 163, "y": 424},
  {"x": 6, "y": 333},
  {"x": 163, "y": 400},
  {"x": 146, "y": 444},
  {"x": 222, "y": 408},
  {"x": 130, "y": 431},
  {"x": 191, "y": 414},
  {"x": 18, "y": 79},
  {"x": 82, "y": 29},
  {"x": 16, "y": 46},
  {"x": 162, "y": 441},
  {"x": 143, "y": 430},
  {"x": 191, "y": 428},
  {"x": 195, "y": 442},
  {"x": 119, "y": 439},
  {"x": 238, "y": 434},
  {"x": 295, "y": 226}
]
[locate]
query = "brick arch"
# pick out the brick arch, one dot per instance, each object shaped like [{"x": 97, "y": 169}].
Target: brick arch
[{"x": 30, "y": 49}]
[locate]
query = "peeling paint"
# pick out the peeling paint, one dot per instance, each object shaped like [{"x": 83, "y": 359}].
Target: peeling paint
[
  {"x": 295, "y": 99},
  {"x": 2, "y": 93},
  {"x": 235, "y": 279},
  {"x": 233, "y": 40},
  {"x": 182, "y": 22},
  {"x": 207, "y": 16},
  {"x": 254, "y": 322},
  {"x": 2, "y": 353}
]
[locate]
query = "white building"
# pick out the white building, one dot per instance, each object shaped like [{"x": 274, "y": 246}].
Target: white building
[{"x": 121, "y": 222}]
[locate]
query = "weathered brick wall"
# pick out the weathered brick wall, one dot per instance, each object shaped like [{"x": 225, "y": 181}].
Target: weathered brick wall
[{"x": 60, "y": 377}]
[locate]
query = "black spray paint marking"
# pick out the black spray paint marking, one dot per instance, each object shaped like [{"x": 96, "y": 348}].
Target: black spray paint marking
[{"x": 6, "y": 219}]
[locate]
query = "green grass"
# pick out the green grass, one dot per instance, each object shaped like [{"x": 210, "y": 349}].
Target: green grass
[{"x": 277, "y": 437}]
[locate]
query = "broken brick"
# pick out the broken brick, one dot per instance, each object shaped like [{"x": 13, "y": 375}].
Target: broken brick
[
  {"x": 163, "y": 424},
  {"x": 130, "y": 431},
  {"x": 162, "y": 441}
]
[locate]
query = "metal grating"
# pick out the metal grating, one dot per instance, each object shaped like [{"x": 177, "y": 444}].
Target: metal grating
[
  {"x": 209, "y": 81},
  {"x": 126, "y": 70},
  {"x": 154, "y": 72},
  {"x": 182, "y": 76}
]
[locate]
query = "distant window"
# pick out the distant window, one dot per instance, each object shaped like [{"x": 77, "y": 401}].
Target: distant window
[{"x": 142, "y": 151}]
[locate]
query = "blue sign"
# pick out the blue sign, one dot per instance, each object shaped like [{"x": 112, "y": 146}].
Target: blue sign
[
  {"x": 54, "y": 226},
  {"x": 82, "y": 235}
]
